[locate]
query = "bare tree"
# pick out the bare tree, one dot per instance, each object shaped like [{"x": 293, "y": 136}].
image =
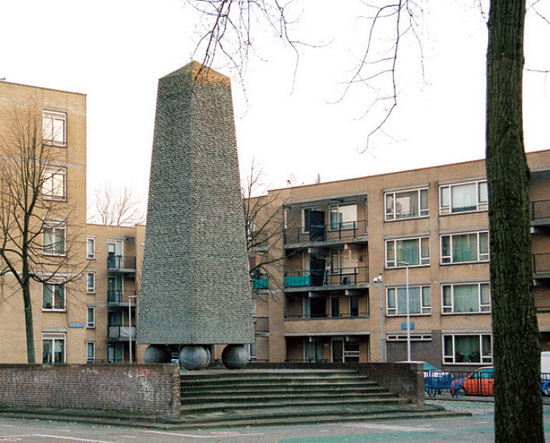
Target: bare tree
[
  {"x": 34, "y": 215},
  {"x": 116, "y": 208},
  {"x": 516, "y": 345},
  {"x": 264, "y": 226}
]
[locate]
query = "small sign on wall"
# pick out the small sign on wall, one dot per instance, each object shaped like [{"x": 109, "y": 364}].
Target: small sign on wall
[{"x": 404, "y": 325}]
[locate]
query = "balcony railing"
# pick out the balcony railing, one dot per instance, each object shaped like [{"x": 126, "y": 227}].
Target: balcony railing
[
  {"x": 541, "y": 263},
  {"x": 340, "y": 277},
  {"x": 327, "y": 232},
  {"x": 260, "y": 283},
  {"x": 327, "y": 316},
  {"x": 122, "y": 333},
  {"x": 119, "y": 262},
  {"x": 116, "y": 296},
  {"x": 540, "y": 210}
]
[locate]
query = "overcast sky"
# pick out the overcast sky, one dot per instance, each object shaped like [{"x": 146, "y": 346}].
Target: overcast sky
[{"x": 116, "y": 50}]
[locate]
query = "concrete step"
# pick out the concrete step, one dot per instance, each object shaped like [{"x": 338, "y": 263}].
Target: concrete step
[
  {"x": 296, "y": 398},
  {"x": 281, "y": 387},
  {"x": 302, "y": 405},
  {"x": 311, "y": 415}
]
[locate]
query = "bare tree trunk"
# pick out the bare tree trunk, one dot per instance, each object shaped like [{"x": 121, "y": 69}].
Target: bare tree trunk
[
  {"x": 31, "y": 358},
  {"x": 516, "y": 344}
]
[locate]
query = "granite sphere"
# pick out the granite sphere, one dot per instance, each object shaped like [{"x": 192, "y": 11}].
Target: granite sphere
[
  {"x": 194, "y": 357},
  {"x": 235, "y": 356},
  {"x": 156, "y": 354}
]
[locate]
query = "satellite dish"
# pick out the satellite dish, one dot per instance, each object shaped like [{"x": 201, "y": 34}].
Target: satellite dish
[{"x": 291, "y": 180}]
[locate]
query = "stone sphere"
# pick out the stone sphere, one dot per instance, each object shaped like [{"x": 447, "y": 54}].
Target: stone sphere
[
  {"x": 194, "y": 357},
  {"x": 156, "y": 354},
  {"x": 235, "y": 356}
]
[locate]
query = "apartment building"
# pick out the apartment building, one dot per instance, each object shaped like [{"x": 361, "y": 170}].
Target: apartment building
[
  {"x": 114, "y": 257},
  {"x": 43, "y": 138},
  {"x": 354, "y": 249}
]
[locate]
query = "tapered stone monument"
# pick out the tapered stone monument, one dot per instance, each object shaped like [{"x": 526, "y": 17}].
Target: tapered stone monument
[{"x": 195, "y": 289}]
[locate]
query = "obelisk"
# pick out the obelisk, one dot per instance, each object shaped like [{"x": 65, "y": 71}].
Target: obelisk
[{"x": 195, "y": 289}]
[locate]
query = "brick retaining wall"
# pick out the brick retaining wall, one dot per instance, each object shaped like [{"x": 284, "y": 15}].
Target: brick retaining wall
[{"x": 133, "y": 388}]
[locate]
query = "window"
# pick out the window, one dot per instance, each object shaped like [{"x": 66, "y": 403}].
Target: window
[
  {"x": 90, "y": 351},
  {"x": 90, "y": 283},
  {"x": 90, "y": 248},
  {"x": 343, "y": 217},
  {"x": 54, "y": 239},
  {"x": 419, "y": 301},
  {"x": 464, "y": 197},
  {"x": 467, "y": 349},
  {"x": 465, "y": 248},
  {"x": 115, "y": 250},
  {"x": 53, "y": 348},
  {"x": 54, "y": 184},
  {"x": 466, "y": 298},
  {"x": 54, "y": 128},
  {"x": 411, "y": 252},
  {"x": 406, "y": 204},
  {"x": 53, "y": 297},
  {"x": 414, "y": 337},
  {"x": 90, "y": 317}
]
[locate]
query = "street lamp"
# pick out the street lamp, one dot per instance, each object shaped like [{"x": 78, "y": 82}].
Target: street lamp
[
  {"x": 130, "y": 325},
  {"x": 378, "y": 280},
  {"x": 408, "y": 310}
]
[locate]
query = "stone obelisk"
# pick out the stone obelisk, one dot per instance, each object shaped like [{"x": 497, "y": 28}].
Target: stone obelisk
[{"x": 195, "y": 289}]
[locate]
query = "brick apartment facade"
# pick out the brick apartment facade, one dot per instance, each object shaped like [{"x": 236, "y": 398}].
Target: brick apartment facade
[
  {"x": 59, "y": 315},
  {"x": 351, "y": 248}
]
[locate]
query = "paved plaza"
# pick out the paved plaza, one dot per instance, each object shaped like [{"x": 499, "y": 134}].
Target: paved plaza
[{"x": 478, "y": 427}]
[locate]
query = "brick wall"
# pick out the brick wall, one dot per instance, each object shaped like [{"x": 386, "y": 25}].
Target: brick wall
[{"x": 151, "y": 389}]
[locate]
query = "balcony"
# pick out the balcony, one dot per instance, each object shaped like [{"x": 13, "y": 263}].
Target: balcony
[
  {"x": 330, "y": 279},
  {"x": 122, "y": 333},
  {"x": 541, "y": 268},
  {"x": 123, "y": 264},
  {"x": 121, "y": 298},
  {"x": 326, "y": 234},
  {"x": 260, "y": 283},
  {"x": 540, "y": 216}
]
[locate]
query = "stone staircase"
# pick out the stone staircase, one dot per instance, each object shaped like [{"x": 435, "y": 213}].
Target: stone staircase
[{"x": 268, "y": 397}]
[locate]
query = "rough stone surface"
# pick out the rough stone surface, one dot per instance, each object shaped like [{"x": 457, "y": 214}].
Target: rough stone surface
[{"x": 195, "y": 287}]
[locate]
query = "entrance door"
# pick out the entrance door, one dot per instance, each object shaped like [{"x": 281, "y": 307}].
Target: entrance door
[
  {"x": 317, "y": 226},
  {"x": 337, "y": 350}
]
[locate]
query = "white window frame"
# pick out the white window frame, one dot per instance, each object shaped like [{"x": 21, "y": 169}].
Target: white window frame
[
  {"x": 54, "y": 338},
  {"x": 483, "y": 307},
  {"x": 90, "y": 345},
  {"x": 51, "y": 190},
  {"x": 425, "y": 301},
  {"x": 54, "y": 128},
  {"x": 423, "y": 260},
  {"x": 52, "y": 287},
  {"x": 486, "y": 357},
  {"x": 90, "y": 251},
  {"x": 50, "y": 248},
  {"x": 447, "y": 259},
  {"x": 390, "y": 199},
  {"x": 90, "y": 289},
  {"x": 446, "y": 192},
  {"x": 414, "y": 337},
  {"x": 90, "y": 317},
  {"x": 345, "y": 224}
]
